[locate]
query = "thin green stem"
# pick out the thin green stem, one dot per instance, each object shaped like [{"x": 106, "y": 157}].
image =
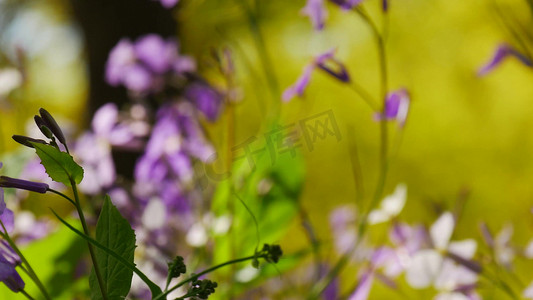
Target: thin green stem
[
  {"x": 196, "y": 276},
  {"x": 264, "y": 58},
  {"x": 383, "y": 158},
  {"x": 361, "y": 92},
  {"x": 62, "y": 195},
  {"x": 28, "y": 269},
  {"x": 86, "y": 230},
  {"x": 23, "y": 292}
]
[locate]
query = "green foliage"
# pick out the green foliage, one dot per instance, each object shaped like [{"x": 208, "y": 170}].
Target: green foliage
[
  {"x": 115, "y": 233},
  {"x": 131, "y": 266},
  {"x": 269, "y": 194},
  {"x": 60, "y": 166}
]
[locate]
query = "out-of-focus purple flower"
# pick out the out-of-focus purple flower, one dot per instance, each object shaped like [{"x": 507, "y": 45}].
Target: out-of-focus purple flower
[
  {"x": 137, "y": 78},
  {"x": 120, "y": 58},
  {"x": 325, "y": 62},
  {"x": 142, "y": 66},
  {"x": 106, "y": 125},
  {"x": 8, "y": 219},
  {"x": 298, "y": 88},
  {"x": 342, "y": 222},
  {"x": 94, "y": 155},
  {"x": 396, "y": 107},
  {"x": 27, "y": 228},
  {"x": 502, "y": 52},
  {"x": 169, "y": 3},
  {"x": 93, "y": 149},
  {"x": 363, "y": 287},
  {"x": 347, "y": 4},
  {"x": 156, "y": 53},
  {"x": 317, "y": 13},
  {"x": 165, "y": 169},
  {"x": 206, "y": 99}
]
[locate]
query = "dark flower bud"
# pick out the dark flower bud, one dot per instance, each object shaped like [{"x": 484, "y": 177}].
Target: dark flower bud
[
  {"x": 42, "y": 126},
  {"x": 272, "y": 253},
  {"x": 335, "y": 69},
  {"x": 176, "y": 267},
  {"x": 51, "y": 123},
  {"x": 9, "y": 182},
  {"x": 26, "y": 141},
  {"x": 202, "y": 288}
]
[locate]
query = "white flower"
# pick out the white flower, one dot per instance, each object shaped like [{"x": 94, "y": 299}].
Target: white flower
[
  {"x": 432, "y": 267},
  {"x": 10, "y": 79},
  {"x": 390, "y": 207}
]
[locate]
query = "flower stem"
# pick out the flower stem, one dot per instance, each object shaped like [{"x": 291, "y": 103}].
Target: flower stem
[
  {"x": 196, "y": 276},
  {"x": 86, "y": 230},
  {"x": 28, "y": 269},
  {"x": 23, "y": 292},
  {"x": 62, "y": 195},
  {"x": 319, "y": 288}
]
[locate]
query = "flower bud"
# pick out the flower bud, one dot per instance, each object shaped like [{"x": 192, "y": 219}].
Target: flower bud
[
  {"x": 26, "y": 141},
  {"x": 51, "y": 123},
  {"x": 9, "y": 182}
]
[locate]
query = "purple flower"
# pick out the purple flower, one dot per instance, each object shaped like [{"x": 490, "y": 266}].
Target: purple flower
[
  {"x": 120, "y": 57},
  {"x": 396, "y": 107},
  {"x": 169, "y": 3},
  {"x": 136, "y": 78},
  {"x": 317, "y": 13},
  {"x": 347, "y": 4},
  {"x": 142, "y": 66},
  {"x": 363, "y": 287},
  {"x": 502, "y": 52},
  {"x": 9, "y": 276},
  {"x": 37, "y": 187},
  {"x": 325, "y": 62},
  {"x": 156, "y": 53},
  {"x": 165, "y": 169},
  {"x": 206, "y": 99}
]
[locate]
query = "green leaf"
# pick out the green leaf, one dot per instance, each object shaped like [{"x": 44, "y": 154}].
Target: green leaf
[
  {"x": 115, "y": 233},
  {"x": 151, "y": 285},
  {"x": 60, "y": 166}
]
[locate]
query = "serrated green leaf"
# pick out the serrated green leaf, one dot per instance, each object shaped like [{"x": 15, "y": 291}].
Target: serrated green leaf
[
  {"x": 60, "y": 166},
  {"x": 115, "y": 233},
  {"x": 154, "y": 289}
]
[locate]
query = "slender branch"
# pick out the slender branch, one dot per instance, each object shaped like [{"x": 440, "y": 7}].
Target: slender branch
[
  {"x": 361, "y": 92},
  {"x": 62, "y": 195},
  {"x": 23, "y": 292},
  {"x": 383, "y": 158},
  {"x": 196, "y": 276},
  {"x": 90, "y": 246}
]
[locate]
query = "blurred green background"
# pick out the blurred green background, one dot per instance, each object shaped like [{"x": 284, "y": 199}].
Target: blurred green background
[{"x": 464, "y": 132}]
